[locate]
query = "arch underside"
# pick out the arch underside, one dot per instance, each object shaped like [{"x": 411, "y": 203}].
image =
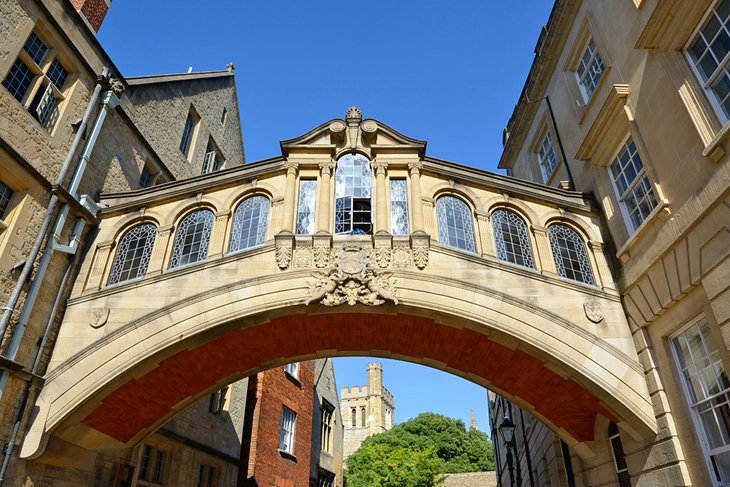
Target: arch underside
[{"x": 139, "y": 404}]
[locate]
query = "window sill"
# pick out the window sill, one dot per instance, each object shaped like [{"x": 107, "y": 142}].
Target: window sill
[
  {"x": 714, "y": 149},
  {"x": 662, "y": 208},
  {"x": 287, "y": 455}
]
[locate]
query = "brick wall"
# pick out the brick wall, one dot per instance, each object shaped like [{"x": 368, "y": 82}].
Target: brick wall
[
  {"x": 93, "y": 10},
  {"x": 273, "y": 390}
]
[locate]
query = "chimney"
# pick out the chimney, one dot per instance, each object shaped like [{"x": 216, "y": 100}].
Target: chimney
[{"x": 92, "y": 11}]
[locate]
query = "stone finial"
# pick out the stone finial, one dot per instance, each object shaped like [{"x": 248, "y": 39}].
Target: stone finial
[
  {"x": 472, "y": 421},
  {"x": 230, "y": 67},
  {"x": 353, "y": 114}
]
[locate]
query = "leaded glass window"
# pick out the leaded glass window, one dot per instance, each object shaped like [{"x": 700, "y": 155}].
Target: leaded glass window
[
  {"x": 455, "y": 223},
  {"x": 590, "y": 69},
  {"x": 708, "y": 53},
  {"x": 249, "y": 223},
  {"x": 398, "y": 207},
  {"x": 192, "y": 238},
  {"x": 353, "y": 192},
  {"x": 133, "y": 254},
  {"x": 305, "y": 210},
  {"x": 634, "y": 190},
  {"x": 510, "y": 236},
  {"x": 35, "y": 48},
  {"x": 569, "y": 254},
  {"x": 708, "y": 392}
]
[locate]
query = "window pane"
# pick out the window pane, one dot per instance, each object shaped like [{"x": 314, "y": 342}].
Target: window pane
[
  {"x": 510, "y": 236},
  {"x": 5, "y": 195},
  {"x": 187, "y": 134},
  {"x": 634, "y": 191},
  {"x": 306, "y": 207},
  {"x": 57, "y": 74},
  {"x": 455, "y": 223},
  {"x": 192, "y": 238},
  {"x": 249, "y": 223},
  {"x": 133, "y": 254}
]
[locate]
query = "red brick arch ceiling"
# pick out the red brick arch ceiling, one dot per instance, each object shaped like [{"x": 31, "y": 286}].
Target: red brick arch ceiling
[{"x": 141, "y": 403}]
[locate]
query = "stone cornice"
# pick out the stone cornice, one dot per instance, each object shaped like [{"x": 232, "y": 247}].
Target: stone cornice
[
  {"x": 603, "y": 133},
  {"x": 671, "y": 24}
]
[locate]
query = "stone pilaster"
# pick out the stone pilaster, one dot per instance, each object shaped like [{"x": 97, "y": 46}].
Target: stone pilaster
[
  {"x": 381, "y": 205},
  {"x": 414, "y": 173},
  {"x": 603, "y": 278},
  {"x": 544, "y": 253},
  {"x": 101, "y": 258},
  {"x": 159, "y": 251},
  {"x": 486, "y": 239},
  {"x": 324, "y": 212},
  {"x": 218, "y": 236},
  {"x": 290, "y": 191}
]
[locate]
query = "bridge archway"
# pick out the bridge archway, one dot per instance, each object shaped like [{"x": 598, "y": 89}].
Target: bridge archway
[{"x": 130, "y": 355}]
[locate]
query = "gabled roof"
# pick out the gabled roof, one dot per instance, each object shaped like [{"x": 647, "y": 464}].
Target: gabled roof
[{"x": 167, "y": 78}]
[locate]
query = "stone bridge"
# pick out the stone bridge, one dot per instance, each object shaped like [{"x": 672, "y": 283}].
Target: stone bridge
[{"x": 352, "y": 242}]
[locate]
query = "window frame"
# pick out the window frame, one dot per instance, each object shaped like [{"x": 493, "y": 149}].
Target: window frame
[
  {"x": 691, "y": 404},
  {"x": 180, "y": 241},
  {"x": 622, "y": 473},
  {"x": 285, "y": 434},
  {"x": 529, "y": 259},
  {"x": 261, "y": 229},
  {"x": 468, "y": 219},
  {"x": 6, "y": 194},
  {"x": 292, "y": 370},
  {"x": 582, "y": 87},
  {"x": 302, "y": 213},
  {"x": 145, "y": 256},
  {"x": 589, "y": 265},
  {"x": 540, "y": 143},
  {"x": 706, "y": 85},
  {"x": 630, "y": 226},
  {"x": 327, "y": 413},
  {"x": 153, "y": 461},
  {"x": 403, "y": 204},
  {"x": 351, "y": 200},
  {"x": 217, "y": 402}
]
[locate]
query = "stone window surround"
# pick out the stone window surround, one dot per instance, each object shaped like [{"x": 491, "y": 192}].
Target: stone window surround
[
  {"x": 542, "y": 129},
  {"x": 704, "y": 84},
  {"x": 154, "y": 452},
  {"x": 698, "y": 428},
  {"x": 55, "y": 52}
]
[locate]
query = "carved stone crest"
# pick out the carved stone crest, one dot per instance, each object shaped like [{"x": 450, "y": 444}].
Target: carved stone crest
[
  {"x": 593, "y": 311},
  {"x": 303, "y": 257},
  {"x": 401, "y": 256},
  {"x": 352, "y": 281},
  {"x": 99, "y": 317}
]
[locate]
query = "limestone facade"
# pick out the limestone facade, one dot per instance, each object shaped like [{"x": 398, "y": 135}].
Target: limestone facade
[
  {"x": 620, "y": 85},
  {"x": 367, "y": 410}
]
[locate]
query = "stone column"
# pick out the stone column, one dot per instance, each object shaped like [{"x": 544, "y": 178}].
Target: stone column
[
  {"x": 485, "y": 233},
  {"x": 157, "y": 261},
  {"x": 218, "y": 237},
  {"x": 290, "y": 191},
  {"x": 324, "y": 212},
  {"x": 103, "y": 249},
  {"x": 544, "y": 252},
  {"x": 381, "y": 205},
  {"x": 414, "y": 173},
  {"x": 604, "y": 278}
]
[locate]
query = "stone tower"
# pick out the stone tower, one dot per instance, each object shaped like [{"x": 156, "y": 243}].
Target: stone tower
[{"x": 366, "y": 410}]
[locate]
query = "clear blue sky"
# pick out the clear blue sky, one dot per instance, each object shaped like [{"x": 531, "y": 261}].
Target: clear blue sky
[{"x": 448, "y": 72}]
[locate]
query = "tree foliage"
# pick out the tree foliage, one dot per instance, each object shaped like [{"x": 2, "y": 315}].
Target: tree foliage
[{"x": 416, "y": 454}]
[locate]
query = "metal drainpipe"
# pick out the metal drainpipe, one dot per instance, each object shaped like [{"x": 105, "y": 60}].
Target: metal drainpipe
[
  {"x": 28, "y": 266},
  {"x": 109, "y": 102},
  {"x": 560, "y": 143},
  {"x": 25, "y": 399}
]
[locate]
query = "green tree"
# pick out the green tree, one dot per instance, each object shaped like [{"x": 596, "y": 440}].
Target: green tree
[{"x": 416, "y": 453}]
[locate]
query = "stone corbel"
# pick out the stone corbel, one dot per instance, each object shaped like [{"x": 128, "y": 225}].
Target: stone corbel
[
  {"x": 159, "y": 251},
  {"x": 322, "y": 243},
  {"x": 383, "y": 250},
  {"x": 284, "y": 242},
  {"x": 421, "y": 244},
  {"x": 101, "y": 258}
]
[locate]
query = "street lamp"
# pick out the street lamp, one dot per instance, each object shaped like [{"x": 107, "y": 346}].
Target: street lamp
[{"x": 507, "y": 430}]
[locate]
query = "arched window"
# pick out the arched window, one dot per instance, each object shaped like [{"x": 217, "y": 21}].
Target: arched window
[
  {"x": 249, "y": 223},
  {"x": 569, "y": 254},
  {"x": 192, "y": 238},
  {"x": 353, "y": 192},
  {"x": 510, "y": 236},
  {"x": 455, "y": 223},
  {"x": 133, "y": 254}
]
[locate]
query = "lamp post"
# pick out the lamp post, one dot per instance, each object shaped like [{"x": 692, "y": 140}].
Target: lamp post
[{"x": 507, "y": 430}]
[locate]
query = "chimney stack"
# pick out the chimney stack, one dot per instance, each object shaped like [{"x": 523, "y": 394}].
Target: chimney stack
[{"x": 92, "y": 11}]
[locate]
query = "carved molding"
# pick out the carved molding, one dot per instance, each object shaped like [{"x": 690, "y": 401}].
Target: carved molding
[
  {"x": 326, "y": 167},
  {"x": 284, "y": 247}
]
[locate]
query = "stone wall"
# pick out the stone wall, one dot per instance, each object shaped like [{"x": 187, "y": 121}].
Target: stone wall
[{"x": 473, "y": 479}]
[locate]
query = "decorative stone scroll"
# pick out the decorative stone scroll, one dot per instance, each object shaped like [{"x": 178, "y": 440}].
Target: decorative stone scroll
[
  {"x": 284, "y": 247},
  {"x": 421, "y": 245},
  {"x": 352, "y": 281}
]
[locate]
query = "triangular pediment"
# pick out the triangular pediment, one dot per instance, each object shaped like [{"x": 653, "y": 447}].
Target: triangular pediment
[{"x": 353, "y": 133}]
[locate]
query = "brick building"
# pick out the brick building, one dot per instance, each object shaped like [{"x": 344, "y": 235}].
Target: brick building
[{"x": 292, "y": 432}]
